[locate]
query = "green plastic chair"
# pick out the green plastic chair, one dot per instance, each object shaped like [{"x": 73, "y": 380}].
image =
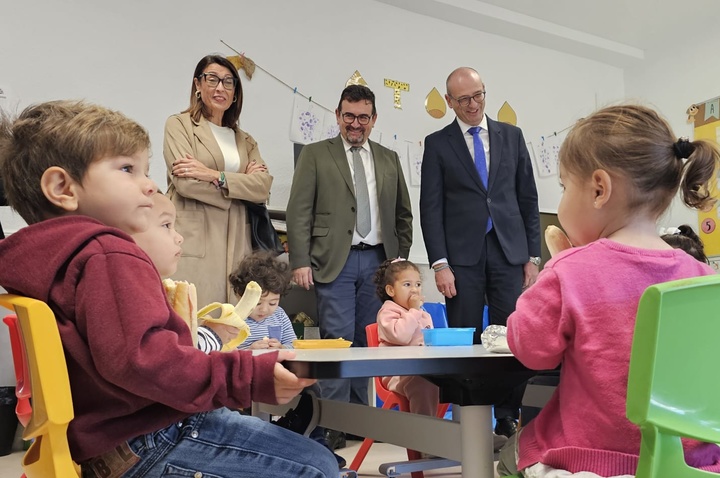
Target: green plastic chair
[{"x": 672, "y": 387}]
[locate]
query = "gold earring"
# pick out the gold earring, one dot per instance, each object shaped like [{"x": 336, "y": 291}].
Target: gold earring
[{"x": 197, "y": 94}]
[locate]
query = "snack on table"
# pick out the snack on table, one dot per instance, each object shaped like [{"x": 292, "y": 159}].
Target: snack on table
[
  {"x": 556, "y": 240},
  {"x": 321, "y": 343},
  {"x": 183, "y": 299}
]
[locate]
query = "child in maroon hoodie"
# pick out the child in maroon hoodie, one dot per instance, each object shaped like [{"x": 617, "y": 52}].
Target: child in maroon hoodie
[{"x": 142, "y": 394}]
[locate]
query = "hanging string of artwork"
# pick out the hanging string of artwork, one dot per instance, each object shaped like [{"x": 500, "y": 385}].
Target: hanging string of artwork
[{"x": 312, "y": 122}]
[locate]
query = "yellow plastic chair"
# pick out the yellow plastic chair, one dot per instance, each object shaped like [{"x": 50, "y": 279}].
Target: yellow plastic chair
[
  {"x": 672, "y": 390},
  {"x": 49, "y": 454}
]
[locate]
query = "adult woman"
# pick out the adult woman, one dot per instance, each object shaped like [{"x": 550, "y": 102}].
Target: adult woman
[{"x": 213, "y": 165}]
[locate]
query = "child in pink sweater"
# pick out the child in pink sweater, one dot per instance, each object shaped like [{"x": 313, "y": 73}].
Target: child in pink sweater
[
  {"x": 401, "y": 321},
  {"x": 619, "y": 169}
]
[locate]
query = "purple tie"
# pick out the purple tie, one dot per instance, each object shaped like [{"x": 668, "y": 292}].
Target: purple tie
[{"x": 480, "y": 163}]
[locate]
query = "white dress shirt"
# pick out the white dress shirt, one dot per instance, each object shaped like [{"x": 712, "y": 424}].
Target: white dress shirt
[
  {"x": 375, "y": 234},
  {"x": 484, "y": 136}
]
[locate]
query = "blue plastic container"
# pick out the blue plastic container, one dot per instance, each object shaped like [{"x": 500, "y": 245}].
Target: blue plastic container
[{"x": 449, "y": 336}]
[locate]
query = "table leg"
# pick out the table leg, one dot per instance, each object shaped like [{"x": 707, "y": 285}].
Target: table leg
[{"x": 477, "y": 440}]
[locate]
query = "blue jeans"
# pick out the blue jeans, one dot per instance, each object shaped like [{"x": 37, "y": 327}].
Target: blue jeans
[
  {"x": 345, "y": 307},
  {"x": 226, "y": 444}
]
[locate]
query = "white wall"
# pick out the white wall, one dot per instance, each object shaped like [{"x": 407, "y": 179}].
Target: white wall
[
  {"x": 675, "y": 75},
  {"x": 138, "y": 57}
]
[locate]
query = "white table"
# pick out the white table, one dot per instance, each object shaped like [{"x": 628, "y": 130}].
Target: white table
[{"x": 469, "y": 377}]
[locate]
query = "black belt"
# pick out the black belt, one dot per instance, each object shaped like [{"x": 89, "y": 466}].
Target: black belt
[{"x": 364, "y": 247}]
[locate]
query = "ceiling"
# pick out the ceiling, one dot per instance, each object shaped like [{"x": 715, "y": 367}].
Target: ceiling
[{"x": 617, "y": 32}]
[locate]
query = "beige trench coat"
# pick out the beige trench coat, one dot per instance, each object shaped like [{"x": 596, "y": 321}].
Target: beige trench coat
[{"x": 213, "y": 222}]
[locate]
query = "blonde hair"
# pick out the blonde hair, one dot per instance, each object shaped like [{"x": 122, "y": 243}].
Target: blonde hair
[
  {"x": 635, "y": 143},
  {"x": 67, "y": 134}
]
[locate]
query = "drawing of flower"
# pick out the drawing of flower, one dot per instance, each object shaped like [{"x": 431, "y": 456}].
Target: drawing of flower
[{"x": 308, "y": 121}]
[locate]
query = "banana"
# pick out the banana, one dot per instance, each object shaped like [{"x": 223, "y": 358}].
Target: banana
[
  {"x": 556, "y": 240},
  {"x": 234, "y": 316}
]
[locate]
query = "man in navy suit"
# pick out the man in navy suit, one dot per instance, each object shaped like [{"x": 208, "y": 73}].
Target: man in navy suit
[{"x": 479, "y": 215}]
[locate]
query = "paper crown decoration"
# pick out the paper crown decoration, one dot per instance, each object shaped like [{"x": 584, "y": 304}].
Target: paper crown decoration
[{"x": 356, "y": 79}]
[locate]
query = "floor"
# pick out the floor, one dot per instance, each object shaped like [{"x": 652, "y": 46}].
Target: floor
[{"x": 379, "y": 453}]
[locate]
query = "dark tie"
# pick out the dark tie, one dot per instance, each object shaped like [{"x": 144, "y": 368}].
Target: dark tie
[
  {"x": 480, "y": 163},
  {"x": 361, "y": 194}
]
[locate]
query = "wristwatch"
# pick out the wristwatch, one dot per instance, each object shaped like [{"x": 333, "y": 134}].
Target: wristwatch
[{"x": 536, "y": 261}]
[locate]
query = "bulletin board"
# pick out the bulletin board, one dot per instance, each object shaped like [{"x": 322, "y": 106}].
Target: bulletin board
[{"x": 707, "y": 126}]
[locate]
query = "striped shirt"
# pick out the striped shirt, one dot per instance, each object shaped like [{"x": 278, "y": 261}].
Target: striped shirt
[
  {"x": 208, "y": 341},
  {"x": 259, "y": 330}
]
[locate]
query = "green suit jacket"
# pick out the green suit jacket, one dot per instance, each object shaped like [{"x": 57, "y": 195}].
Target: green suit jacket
[{"x": 321, "y": 210}]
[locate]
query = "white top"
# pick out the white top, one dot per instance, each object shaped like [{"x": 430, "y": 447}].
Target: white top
[
  {"x": 225, "y": 138},
  {"x": 375, "y": 234}
]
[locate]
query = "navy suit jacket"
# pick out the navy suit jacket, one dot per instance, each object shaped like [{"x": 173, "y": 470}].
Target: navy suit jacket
[{"x": 454, "y": 204}]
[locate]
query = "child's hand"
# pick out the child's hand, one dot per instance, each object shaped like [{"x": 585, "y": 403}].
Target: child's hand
[
  {"x": 287, "y": 384},
  {"x": 225, "y": 332},
  {"x": 415, "y": 301},
  {"x": 274, "y": 344},
  {"x": 261, "y": 344}
]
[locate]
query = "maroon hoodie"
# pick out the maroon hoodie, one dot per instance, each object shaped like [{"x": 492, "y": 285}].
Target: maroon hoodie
[{"x": 132, "y": 365}]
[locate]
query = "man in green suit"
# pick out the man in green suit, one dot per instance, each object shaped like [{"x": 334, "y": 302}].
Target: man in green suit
[{"x": 349, "y": 210}]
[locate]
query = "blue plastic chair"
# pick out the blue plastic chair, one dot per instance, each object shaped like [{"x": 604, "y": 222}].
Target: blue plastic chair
[{"x": 438, "y": 312}]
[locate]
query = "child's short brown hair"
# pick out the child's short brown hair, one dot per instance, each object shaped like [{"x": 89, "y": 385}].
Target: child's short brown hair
[
  {"x": 67, "y": 134},
  {"x": 262, "y": 267}
]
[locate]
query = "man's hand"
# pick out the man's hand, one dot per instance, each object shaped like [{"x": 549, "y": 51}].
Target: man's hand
[
  {"x": 287, "y": 384},
  {"x": 302, "y": 276},
  {"x": 530, "y": 273},
  {"x": 445, "y": 280}
]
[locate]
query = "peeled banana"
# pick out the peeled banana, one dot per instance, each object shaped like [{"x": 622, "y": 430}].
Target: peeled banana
[{"x": 234, "y": 316}]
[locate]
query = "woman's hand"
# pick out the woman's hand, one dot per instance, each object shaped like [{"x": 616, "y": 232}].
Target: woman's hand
[
  {"x": 190, "y": 168},
  {"x": 255, "y": 167}
]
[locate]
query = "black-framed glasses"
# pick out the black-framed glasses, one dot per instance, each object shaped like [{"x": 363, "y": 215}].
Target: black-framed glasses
[
  {"x": 465, "y": 100},
  {"x": 350, "y": 118},
  {"x": 212, "y": 80}
]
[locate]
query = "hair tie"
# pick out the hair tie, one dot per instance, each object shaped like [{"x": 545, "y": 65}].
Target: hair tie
[
  {"x": 683, "y": 148},
  {"x": 399, "y": 259}
]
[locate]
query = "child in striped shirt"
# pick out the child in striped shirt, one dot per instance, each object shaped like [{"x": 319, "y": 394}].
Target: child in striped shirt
[{"x": 270, "y": 326}]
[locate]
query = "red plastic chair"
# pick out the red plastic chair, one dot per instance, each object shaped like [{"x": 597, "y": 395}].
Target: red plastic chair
[
  {"x": 23, "y": 409},
  {"x": 390, "y": 400}
]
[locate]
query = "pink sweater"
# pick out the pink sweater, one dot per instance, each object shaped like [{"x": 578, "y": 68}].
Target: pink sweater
[
  {"x": 581, "y": 313},
  {"x": 400, "y": 326}
]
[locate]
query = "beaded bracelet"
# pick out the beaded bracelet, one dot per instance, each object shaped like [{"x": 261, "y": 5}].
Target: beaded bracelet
[{"x": 220, "y": 182}]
